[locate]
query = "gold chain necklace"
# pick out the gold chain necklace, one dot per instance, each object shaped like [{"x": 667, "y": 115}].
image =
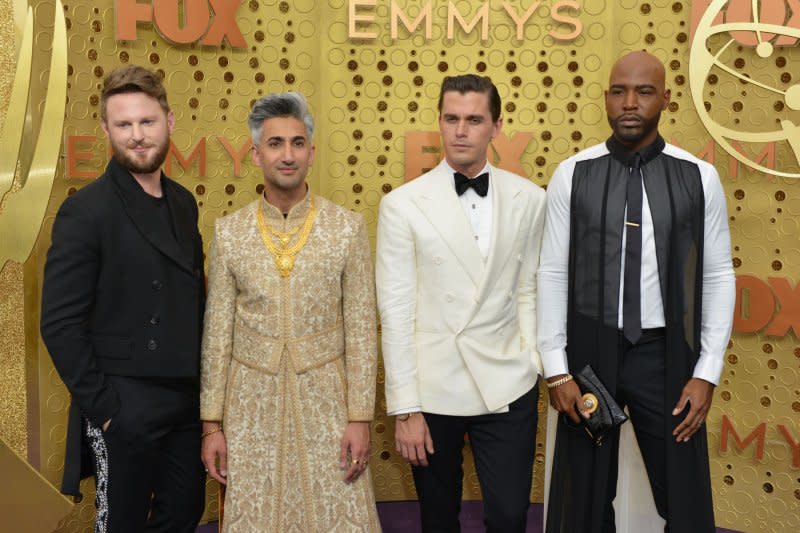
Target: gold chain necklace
[
  {"x": 285, "y": 255},
  {"x": 284, "y": 236}
]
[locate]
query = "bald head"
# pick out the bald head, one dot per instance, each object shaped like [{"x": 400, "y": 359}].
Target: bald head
[
  {"x": 635, "y": 98},
  {"x": 640, "y": 65}
]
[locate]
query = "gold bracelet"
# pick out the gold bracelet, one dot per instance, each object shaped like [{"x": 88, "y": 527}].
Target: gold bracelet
[
  {"x": 559, "y": 382},
  {"x": 207, "y": 433}
]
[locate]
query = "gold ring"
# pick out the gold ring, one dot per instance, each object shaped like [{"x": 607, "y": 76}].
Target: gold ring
[
  {"x": 590, "y": 403},
  {"x": 355, "y": 461}
]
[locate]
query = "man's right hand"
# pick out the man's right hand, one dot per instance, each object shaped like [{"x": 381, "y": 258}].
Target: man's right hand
[
  {"x": 413, "y": 439},
  {"x": 214, "y": 453},
  {"x": 567, "y": 399}
]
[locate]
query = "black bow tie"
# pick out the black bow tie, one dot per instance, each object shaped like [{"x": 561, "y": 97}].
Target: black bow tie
[{"x": 479, "y": 183}]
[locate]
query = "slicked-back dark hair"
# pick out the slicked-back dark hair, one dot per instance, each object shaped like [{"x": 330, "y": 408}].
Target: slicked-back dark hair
[{"x": 472, "y": 83}]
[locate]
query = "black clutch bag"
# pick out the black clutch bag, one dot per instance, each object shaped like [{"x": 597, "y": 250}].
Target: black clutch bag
[{"x": 605, "y": 414}]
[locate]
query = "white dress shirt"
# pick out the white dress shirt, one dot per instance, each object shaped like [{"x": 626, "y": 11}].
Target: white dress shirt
[
  {"x": 478, "y": 210},
  {"x": 719, "y": 282}
]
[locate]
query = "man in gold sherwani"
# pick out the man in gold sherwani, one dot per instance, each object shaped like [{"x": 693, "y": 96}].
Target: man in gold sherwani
[{"x": 289, "y": 346}]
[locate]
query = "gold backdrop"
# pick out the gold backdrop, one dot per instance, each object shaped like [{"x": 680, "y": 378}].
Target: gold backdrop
[{"x": 374, "y": 99}]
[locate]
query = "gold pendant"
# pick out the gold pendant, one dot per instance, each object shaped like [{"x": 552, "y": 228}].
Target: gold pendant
[
  {"x": 284, "y": 263},
  {"x": 285, "y": 255}
]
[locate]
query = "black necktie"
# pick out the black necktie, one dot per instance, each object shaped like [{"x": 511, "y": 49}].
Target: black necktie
[
  {"x": 479, "y": 183},
  {"x": 631, "y": 293}
]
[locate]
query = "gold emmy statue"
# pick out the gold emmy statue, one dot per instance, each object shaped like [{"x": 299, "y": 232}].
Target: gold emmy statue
[
  {"x": 28, "y": 158},
  {"x": 30, "y": 142}
]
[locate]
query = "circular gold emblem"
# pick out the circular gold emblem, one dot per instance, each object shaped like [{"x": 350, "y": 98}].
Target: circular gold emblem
[
  {"x": 715, "y": 55},
  {"x": 590, "y": 402}
]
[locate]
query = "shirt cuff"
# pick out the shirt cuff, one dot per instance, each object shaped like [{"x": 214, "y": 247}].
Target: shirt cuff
[
  {"x": 415, "y": 409},
  {"x": 709, "y": 368},
  {"x": 554, "y": 363}
]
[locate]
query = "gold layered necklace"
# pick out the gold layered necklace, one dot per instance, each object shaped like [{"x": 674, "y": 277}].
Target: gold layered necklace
[{"x": 284, "y": 252}]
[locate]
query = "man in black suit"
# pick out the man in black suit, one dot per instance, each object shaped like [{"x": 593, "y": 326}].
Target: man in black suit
[{"x": 122, "y": 308}]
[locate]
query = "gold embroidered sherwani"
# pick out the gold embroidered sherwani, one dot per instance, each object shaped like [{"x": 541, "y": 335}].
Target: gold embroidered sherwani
[{"x": 286, "y": 363}]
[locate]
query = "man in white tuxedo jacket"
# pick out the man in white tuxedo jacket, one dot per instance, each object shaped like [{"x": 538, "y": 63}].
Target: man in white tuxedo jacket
[{"x": 457, "y": 255}]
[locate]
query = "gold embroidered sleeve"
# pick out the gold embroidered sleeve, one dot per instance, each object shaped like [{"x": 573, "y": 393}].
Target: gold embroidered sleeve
[
  {"x": 217, "y": 331},
  {"x": 360, "y": 327}
]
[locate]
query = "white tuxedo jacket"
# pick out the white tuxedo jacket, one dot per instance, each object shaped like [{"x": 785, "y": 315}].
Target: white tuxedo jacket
[{"x": 458, "y": 333}]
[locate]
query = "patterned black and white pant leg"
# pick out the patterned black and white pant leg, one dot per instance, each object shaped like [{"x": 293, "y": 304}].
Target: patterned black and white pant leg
[{"x": 97, "y": 444}]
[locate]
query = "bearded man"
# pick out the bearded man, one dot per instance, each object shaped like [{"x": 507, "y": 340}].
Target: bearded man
[
  {"x": 636, "y": 280},
  {"x": 122, "y": 310}
]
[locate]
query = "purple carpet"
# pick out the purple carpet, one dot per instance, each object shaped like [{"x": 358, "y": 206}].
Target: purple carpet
[{"x": 403, "y": 517}]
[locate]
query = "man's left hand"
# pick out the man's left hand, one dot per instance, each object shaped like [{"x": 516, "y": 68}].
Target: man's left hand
[
  {"x": 699, "y": 393},
  {"x": 355, "y": 445}
]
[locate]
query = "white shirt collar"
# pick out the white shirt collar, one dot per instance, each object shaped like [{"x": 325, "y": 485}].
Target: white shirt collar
[{"x": 486, "y": 168}]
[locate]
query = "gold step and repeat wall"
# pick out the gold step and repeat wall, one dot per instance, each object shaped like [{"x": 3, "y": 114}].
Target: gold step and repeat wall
[{"x": 372, "y": 70}]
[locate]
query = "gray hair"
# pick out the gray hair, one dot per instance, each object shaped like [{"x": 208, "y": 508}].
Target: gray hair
[{"x": 291, "y": 104}]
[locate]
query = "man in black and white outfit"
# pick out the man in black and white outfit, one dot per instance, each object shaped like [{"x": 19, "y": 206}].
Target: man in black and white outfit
[{"x": 635, "y": 279}]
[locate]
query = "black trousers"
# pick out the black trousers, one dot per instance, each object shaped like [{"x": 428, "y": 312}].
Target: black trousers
[
  {"x": 503, "y": 445},
  {"x": 148, "y": 471},
  {"x": 640, "y": 387}
]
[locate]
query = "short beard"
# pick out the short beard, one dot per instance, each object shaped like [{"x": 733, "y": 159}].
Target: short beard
[
  {"x": 628, "y": 136},
  {"x": 142, "y": 168}
]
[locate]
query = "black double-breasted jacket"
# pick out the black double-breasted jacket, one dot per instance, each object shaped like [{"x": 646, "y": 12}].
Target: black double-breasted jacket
[{"x": 121, "y": 296}]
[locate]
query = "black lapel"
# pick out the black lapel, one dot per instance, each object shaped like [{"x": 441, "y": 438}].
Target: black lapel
[
  {"x": 141, "y": 214},
  {"x": 183, "y": 219}
]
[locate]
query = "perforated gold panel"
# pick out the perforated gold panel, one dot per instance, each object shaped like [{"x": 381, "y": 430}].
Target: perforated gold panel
[
  {"x": 374, "y": 97},
  {"x": 746, "y": 100}
]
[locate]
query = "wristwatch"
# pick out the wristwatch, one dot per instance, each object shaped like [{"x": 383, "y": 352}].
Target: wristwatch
[{"x": 405, "y": 416}]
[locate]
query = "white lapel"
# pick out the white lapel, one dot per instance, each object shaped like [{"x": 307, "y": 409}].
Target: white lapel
[
  {"x": 440, "y": 205},
  {"x": 506, "y": 218}
]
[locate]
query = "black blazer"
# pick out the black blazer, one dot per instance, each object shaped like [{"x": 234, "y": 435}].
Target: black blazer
[{"x": 120, "y": 296}]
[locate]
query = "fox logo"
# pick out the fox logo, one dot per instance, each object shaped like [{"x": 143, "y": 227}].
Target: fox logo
[{"x": 185, "y": 24}]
